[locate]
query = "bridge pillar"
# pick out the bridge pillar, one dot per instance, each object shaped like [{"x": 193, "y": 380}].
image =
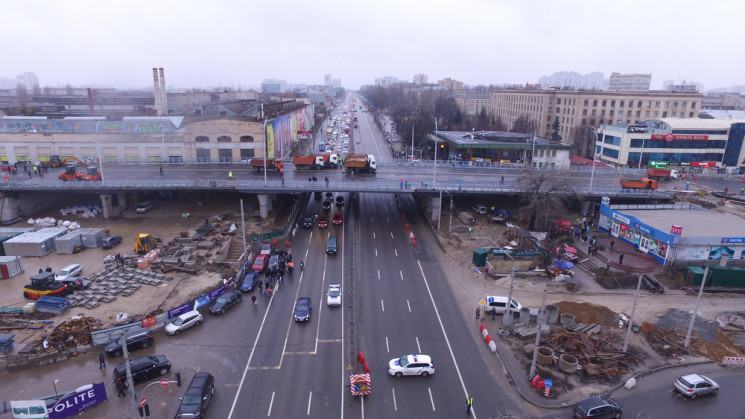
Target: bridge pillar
[
  {"x": 265, "y": 205},
  {"x": 433, "y": 206},
  {"x": 106, "y": 205},
  {"x": 113, "y": 205}
]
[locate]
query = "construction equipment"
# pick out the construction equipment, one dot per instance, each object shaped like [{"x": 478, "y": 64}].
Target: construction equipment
[
  {"x": 44, "y": 284},
  {"x": 70, "y": 160},
  {"x": 91, "y": 173},
  {"x": 642, "y": 183},
  {"x": 316, "y": 161},
  {"x": 54, "y": 161},
  {"x": 272, "y": 164},
  {"x": 662, "y": 174},
  {"x": 360, "y": 163},
  {"x": 145, "y": 242},
  {"x": 71, "y": 173}
]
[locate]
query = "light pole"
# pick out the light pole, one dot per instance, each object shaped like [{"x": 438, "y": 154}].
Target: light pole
[
  {"x": 641, "y": 153},
  {"x": 56, "y": 394},
  {"x": 507, "y": 320},
  {"x": 532, "y": 155},
  {"x": 434, "y": 169},
  {"x": 594, "y": 149},
  {"x": 266, "y": 144},
  {"x": 100, "y": 159}
]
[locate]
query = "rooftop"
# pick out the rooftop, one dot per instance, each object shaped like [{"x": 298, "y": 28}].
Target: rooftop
[{"x": 695, "y": 222}]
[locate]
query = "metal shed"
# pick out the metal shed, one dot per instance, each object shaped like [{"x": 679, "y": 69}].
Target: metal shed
[
  {"x": 92, "y": 237},
  {"x": 10, "y": 266},
  {"x": 65, "y": 245},
  {"x": 35, "y": 243}
]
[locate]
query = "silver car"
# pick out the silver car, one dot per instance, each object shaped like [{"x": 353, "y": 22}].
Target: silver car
[
  {"x": 694, "y": 385},
  {"x": 183, "y": 322}
]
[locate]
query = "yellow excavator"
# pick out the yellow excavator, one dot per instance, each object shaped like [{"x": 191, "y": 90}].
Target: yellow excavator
[{"x": 145, "y": 242}]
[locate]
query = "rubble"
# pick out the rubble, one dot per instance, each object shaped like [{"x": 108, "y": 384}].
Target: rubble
[{"x": 597, "y": 353}]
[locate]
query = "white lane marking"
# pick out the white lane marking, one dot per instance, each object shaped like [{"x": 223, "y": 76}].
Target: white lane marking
[
  {"x": 395, "y": 407},
  {"x": 378, "y": 274},
  {"x": 382, "y": 306},
  {"x": 376, "y": 252},
  {"x": 418, "y": 347},
  {"x": 271, "y": 402},
  {"x": 310, "y": 398},
  {"x": 431, "y": 400},
  {"x": 387, "y": 349},
  {"x": 409, "y": 306},
  {"x": 396, "y": 251},
  {"x": 391, "y": 234},
  {"x": 444, "y": 333},
  {"x": 402, "y": 275},
  {"x": 373, "y": 234}
]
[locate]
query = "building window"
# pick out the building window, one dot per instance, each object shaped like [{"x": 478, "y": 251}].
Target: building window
[
  {"x": 612, "y": 103},
  {"x": 605, "y": 102},
  {"x": 656, "y": 114},
  {"x": 693, "y": 105},
  {"x": 631, "y": 103},
  {"x": 584, "y": 112},
  {"x": 202, "y": 139},
  {"x": 611, "y": 113},
  {"x": 584, "y": 121},
  {"x": 594, "y": 103},
  {"x": 639, "y": 104},
  {"x": 690, "y": 115},
  {"x": 664, "y": 114},
  {"x": 638, "y": 114},
  {"x": 246, "y": 139},
  {"x": 587, "y": 102},
  {"x": 675, "y": 105},
  {"x": 602, "y": 112},
  {"x": 665, "y": 104},
  {"x": 684, "y": 105},
  {"x": 628, "y": 114},
  {"x": 657, "y": 105},
  {"x": 558, "y": 109},
  {"x": 550, "y": 109},
  {"x": 558, "y": 101},
  {"x": 553, "y": 153},
  {"x": 620, "y": 104},
  {"x": 649, "y": 103},
  {"x": 594, "y": 112},
  {"x": 646, "y": 114},
  {"x": 551, "y": 101},
  {"x": 224, "y": 139},
  {"x": 592, "y": 122}
]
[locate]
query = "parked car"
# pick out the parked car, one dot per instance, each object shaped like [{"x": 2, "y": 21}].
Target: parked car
[
  {"x": 135, "y": 339},
  {"x": 68, "y": 271},
  {"x": 260, "y": 263},
  {"x": 275, "y": 262},
  {"x": 303, "y": 308},
  {"x": 323, "y": 222},
  {"x": 597, "y": 407},
  {"x": 183, "y": 322},
  {"x": 197, "y": 397},
  {"x": 694, "y": 385},
  {"x": 333, "y": 296},
  {"x": 225, "y": 301},
  {"x": 144, "y": 207},
  {"x": 337, "y": 220},
  {"x": 249, "y": 281},
  {"x": 109, "y": 242},
  {"x": 414, "y": 364},
  {"x": 266, "y": 248},
  {"x": 143, "y": 368},
  {"x": 498, "y": 304},
  {"x": 479, "y": 209}
]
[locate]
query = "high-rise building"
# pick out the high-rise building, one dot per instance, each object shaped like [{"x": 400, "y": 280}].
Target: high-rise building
[
  {"x": 273, "y": 86},
  {"x": 629, "y": 82},
  {"x": 574, "y": 80},
  {"x": 159, "y": 89},
  {"x": 386, "y": 81},
  {"x": 327, "y": 80},
  {"x": 28, "y": 80},
  {"x": 420, "y": 79},
  {"x": 450, "y": 84}
]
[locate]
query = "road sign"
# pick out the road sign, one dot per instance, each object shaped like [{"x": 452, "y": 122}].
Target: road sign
[
  {"x": 143, "y": 402},
  {"x": 548, "y": 383},
  {"x": 164, "y": 382}
]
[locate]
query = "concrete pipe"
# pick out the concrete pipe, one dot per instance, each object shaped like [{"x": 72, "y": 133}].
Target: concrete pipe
[
  {"x": 552, "y": 314},
  {"x": 568, "y": 363},
  {"x": 545, "y": 356},
  {"x": 524, "y": 315},
  {"x": 566, "y": 318}
]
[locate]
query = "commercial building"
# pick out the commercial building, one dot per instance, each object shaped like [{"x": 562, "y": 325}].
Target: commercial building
[
  {"x": 693, "y": 145},
  {"x": 501, "y": 147},
  {"x": 679, "y": 234},
  {"x": 578, "y": 109},
  {"x": 629, "y": 82}
]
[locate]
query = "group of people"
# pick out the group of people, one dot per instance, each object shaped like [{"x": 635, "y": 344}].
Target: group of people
[{"x": 119, "y": 259}]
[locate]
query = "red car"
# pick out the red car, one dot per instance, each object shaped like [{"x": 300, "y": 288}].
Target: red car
[
  {"x": 260, "y": 263},
  {"x": 337, "y": 220},
  {"x": 323, "y": 222}
]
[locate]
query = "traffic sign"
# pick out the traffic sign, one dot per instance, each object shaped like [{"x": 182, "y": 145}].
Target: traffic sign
[
  {"x": 164, "y": 382},
  {"x": 548, "y": 383},
  {"x": 143, "y": 402}
]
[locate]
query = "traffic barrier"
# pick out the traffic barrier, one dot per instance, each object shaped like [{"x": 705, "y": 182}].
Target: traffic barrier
[
  {"x": 361, "y": 357},
  {"x": 733, "y": 361}
]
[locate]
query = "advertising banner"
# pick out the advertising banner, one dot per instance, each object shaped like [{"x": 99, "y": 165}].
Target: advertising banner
[{"x": 78, "y": 402}]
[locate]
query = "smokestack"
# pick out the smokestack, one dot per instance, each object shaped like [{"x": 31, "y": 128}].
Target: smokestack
[
  {"x": 156, "y": 90},
  {"x": 163, "y": 97}
]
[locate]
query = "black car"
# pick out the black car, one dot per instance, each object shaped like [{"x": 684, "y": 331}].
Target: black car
[
  {"x": 339, "y": 201},
  {"x": 308, "y": 222},
  {"x": 317, "y": 195},
  {"x": 136, "y": 339},
  {"x": 327, "y": 205},
  {"x": 197, "y": 397},
  {"x": 225, "y": 301},
  {"x": 303, "y": 308},
  {"x": 597, "y": 407},
  {"x": 110, "y": 241},
  {"x": 329, "y": 195},
  {"x": 143, "y": 368}
]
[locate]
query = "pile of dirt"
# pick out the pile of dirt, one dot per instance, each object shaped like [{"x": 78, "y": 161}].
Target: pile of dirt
[
  {"x": 716, "y": 351},
  {"x": 588, "y": 313}
]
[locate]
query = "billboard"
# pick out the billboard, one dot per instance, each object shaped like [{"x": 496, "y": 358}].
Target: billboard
[{"x": 282, "y": 131}]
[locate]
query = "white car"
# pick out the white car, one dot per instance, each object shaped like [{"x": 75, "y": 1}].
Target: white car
[
  {"x": 183, "y": 322},
  {"x": 68, "y": 271},
  {"x": 333, "y": 297},
  {"x": 479, "y": 209},
  {"x": 414, "y": 364}
]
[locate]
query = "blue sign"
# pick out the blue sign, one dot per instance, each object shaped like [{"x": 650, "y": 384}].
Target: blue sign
[
  {"x": 79, "y": 401},
  {"x": 731, "y": 240},
  {"x": 548, "y": 383}
]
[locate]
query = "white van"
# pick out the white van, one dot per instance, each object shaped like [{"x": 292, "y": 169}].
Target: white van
[
  {"x": 498, "y": 303},
  {"x": 144, "y": 207}
]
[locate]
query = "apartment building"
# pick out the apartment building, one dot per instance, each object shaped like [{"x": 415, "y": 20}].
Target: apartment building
[
  {"x": 629, "y": 82},
  {"x": 576, "y": 109},
  {"x": 471, "y": 103}
]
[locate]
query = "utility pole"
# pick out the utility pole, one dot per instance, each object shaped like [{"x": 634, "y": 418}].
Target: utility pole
[
  {"x": 539, "y": 320},
  {"x": 130, "y": 382},
  {"x": 633, "y": 312},
  {"x": 695, "y": 310}
]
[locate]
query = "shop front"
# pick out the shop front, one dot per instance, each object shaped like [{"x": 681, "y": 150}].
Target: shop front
[{"x": 630, "y": 229}]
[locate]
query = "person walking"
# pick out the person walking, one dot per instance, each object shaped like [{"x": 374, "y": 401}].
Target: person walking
[
  {"x": 161, "y": 170},
  {"x": 327, "y": 181},
  {"x": 120, "y": 387},
  {"x": 230, "y": 175},
  {"x": 501, "y": 181},
  {"x": 478, "y": 313},
  {"x": 607, "y": 265},
  {"x": 101, "y": 361},
  {"x": 253, "y": 300},
  {"x": 620, "y": 259},
  {"x": 469, "y": 404},
  {"x": 612, "y": 244},
  {"x": 469, "y": 230},
  {"x": 486, "y": 272}
]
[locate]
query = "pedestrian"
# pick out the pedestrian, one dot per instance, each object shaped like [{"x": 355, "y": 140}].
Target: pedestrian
[
  {"x": 101, "y": 361},
  {"x": 283, "y": 180},
  {"x": 486, "y": 271},
  {"x": 6, "y": 177},
  {"x": 742, "y": 190},
  {"x": 607, "y": 265},
  {"x": 161, "y": 170},
  {"x": 493, "y": 314},
  {"x": 620, "y": 259},
  {"x": 478, "y": 313},
  {"x": 49, "y": 269},
  {"x": 726, "y": 189},
  {"x": 479, "y": 226},
  {"x": 206, "y": 221},
  {"x": 29, "y": 174},
  {"x": 501, "y": 181},
  {"x": 327, "y": 181},
  {"x": 120, "y": 387},
  {"x": 41, "y": 271},
  {"x": 687, "y": 185},
  {"x": 230, "y": 175},
  {"x": 263, "y": 292},
  {"x": 402, "y": 183},
  {"x": 469, "y": 230},
  {"x": 469, "y": 405},
  {"x": 612, "y": 244},
  {"x": 310, "y": 179}
]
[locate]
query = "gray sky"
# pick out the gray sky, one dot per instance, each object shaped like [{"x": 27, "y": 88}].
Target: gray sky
[{"x": 239, "y": 43}]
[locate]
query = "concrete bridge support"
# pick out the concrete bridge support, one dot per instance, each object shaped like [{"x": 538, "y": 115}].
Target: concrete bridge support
[
  {"x": 433, "y": 207},
  {"x": 266, "y": 203},
  {"x": 113, "y": 205}
]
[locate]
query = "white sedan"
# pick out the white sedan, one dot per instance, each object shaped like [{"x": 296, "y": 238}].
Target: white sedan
[
  {"x": 414, "y": 364},
  {"x": 69, "y": 271},
  {"x": 333, "y": 297}
]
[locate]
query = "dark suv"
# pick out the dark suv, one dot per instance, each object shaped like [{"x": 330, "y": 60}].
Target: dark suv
[
  {"x": 197, "y": 396},
  {"x": 597, "y": 407},
  {"x": 136, "y": 339},
  {"x": 143, "y": 368},
  {"x": 308, "y": 221}
]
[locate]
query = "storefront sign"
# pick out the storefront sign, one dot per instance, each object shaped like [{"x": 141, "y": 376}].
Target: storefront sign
[
  {"x": 677, "y": 230},
  {"x": 732, "y": 240},
  {"x": 704, "y": 163},
  {"x": 643, "y": 229},
  {"x": 83, "y": 399},
  {"x": 658, "y": 164},
  {"x": 621, "y": 218},
  {"x": 635, "y": 129},
  {"x": 673, "y": 137}
]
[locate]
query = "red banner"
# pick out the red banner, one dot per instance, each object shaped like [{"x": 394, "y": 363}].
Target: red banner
[
  {"x": 676, "y": 230},
  {"x": 704, "y": 163},
  {"x": 148, "y": 322}
]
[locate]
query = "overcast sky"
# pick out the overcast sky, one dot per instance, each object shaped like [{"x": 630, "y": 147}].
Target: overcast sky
[{"x": 239, "y": 43}]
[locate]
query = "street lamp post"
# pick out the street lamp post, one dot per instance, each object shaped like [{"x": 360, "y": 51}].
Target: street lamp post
[
  {"x": 507, "y": 320},
  {"x": 434, "y": 170},
  {"x": 56, "y": 394},
  {"x": 100, "y": 159},
  {"x": 641, "y": 153},
  {"x": 266, "y": 144},
  {"x": 594, "y": 150}
]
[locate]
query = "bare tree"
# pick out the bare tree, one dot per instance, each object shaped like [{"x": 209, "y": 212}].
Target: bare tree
[
  {"x": 543, "y": 192},
  {"x": 524, "y": 125}
]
